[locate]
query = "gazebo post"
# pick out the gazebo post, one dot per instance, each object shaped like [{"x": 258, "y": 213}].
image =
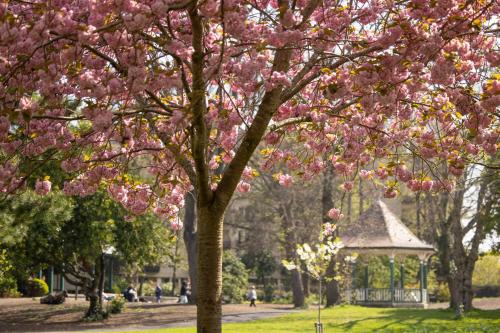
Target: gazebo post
[
  {"x": 50, "y": 278},
  {"x": 402, "y": 275},
  {"x": 110, "y": 274},
  {"x": 353, "y": 281},
  {"x": 61, "y": 281},
  {"x": 422, "y": 281},
  {"x": 425, "y": 274},
  {"x": 391, "y": 267},
  {"x": 365, "y": 283}
]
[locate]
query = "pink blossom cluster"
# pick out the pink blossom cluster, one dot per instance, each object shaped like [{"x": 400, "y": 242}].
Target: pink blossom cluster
[
  {"x": 43, "y": 187},
  {"x": 335, "y": 214},
  {"x": 107, "y": 87}
]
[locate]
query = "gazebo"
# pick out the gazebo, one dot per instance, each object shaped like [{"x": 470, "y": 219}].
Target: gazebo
[{"x": 379, "y": 232}]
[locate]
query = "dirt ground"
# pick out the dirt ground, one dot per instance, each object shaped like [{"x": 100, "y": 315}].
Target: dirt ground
[{"x": 28, "y": 315}]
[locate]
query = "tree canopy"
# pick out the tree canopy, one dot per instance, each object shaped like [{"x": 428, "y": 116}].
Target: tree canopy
[{"x": 188, "y": 89}]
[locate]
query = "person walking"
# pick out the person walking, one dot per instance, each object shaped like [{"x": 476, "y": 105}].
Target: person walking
[
  {"x": 158, "y": 293},
  {"x": 252, "y": 296},
  {"x": 184, "y": 293}
]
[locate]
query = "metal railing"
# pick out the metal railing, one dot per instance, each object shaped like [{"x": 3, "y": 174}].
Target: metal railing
[{"x": 387, "y": 295}]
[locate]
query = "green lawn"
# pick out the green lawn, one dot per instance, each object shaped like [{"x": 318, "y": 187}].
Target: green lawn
[{"x": 353, "y": 319}]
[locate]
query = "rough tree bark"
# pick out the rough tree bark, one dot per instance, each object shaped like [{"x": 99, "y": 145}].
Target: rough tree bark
[
  {"x": 94, "y": 311},
  {"x": 333, "y": 295},
  {"x": 88, "y": 277},
  {"x": 361, "y": 197},
  {"x": 190, "y": 241},
  {"x": 306, "y": 285},
  {"x": 288, "y": 226},
  {"x": 209, "y": 269},
  {"x": 101, "y": 278}
]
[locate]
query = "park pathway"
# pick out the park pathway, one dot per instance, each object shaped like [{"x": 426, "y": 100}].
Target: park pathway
[{"x": 229, "y": 318}]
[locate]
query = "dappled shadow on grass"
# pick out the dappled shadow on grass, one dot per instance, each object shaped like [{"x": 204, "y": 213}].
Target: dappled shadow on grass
[{"x": 421, "y": 321}]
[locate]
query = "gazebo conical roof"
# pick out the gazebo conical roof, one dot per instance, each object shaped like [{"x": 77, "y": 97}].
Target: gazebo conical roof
[{"x": 379, "y": 231}]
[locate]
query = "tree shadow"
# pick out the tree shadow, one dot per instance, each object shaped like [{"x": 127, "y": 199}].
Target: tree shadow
[{"x": 420, "y": 320}]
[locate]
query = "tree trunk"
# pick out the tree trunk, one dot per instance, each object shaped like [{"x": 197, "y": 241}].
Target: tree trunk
[
  {"x": 288, "y": 227},
  {"x": 418, "y": 213},
  {"x": 332, "y": 287},
  {"x": 190, "y": 241},
  {"x": 209, "y": 310},
  {"x": 361, "y": 197},
  {"x": 306, "y": 285},
  {"x": 468, "y": 292},
  {"x": 94, "y": 311},
  {"x": 101, "y": 278},
  {"x": 174, "y": 267},
  {"x": 333, "y": 296}
]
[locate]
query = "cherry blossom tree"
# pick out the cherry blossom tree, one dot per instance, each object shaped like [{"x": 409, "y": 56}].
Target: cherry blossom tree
[{"x": 187, "y": 90}]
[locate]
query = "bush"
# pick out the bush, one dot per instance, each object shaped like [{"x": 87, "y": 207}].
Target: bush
[
  {"x": 148, "y": 289},
  {"x": 116, "y": 305},
  {"x": 268, "y": 295},
  {"x": 234, "y": 278},
  {"x": 282, "y": 297},
  {"x": 36, "y": 288},
  {"x": 442, "y": 293},
  {"x": 120, "y": 284},
  {"x": 166, "y": 288},
  {"x": 487, "y": 291},
  {"x": 8, "y": 287},
  {"x": 487, "y": 271}
]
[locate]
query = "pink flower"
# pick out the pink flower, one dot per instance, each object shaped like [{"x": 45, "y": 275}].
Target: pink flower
[
  {"x": 176, "y": 224},
  {"x": 42, "y": 187},
  {"x": 402, "y": 173},
  {"x": 335, "y": 214},
  {"x": 244, "y": 187},
  {"x": 347, "y": 186},
  {"x": 415, "y": 185},
  {"x": 390, "y": 192},
  {"x": 285, "y": 180},
  {"x": 366, "y": 175},
  {"x": 427, "y": 185},
  {"x": 329, "y": 228},
  {"x": 382, "y": 173}
]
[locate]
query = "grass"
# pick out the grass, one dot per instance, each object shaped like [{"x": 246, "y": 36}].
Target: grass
[{"x": 354, "y": 319}]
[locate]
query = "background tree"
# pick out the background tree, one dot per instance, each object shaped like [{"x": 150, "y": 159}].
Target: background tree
[
  {"x": 74, "y": 235},
  {"x": 234, "y": 278},
  {"x": 461, "y": 229}
]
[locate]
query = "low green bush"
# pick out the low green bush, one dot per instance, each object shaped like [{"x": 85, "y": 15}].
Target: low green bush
[
  {"x": 234, "y": 278},
  {"x": 8, "y": 287},
  {"x": 442, "y": 293},
  {"x": 148, "y": 289},
  {"x": 269, "y": 292},
  {"x": 116, "y": 305},
  {"x": 166, "y": 288},
  {"x": 36, "y": 288},
  {"x": 8, "y": 284}
]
